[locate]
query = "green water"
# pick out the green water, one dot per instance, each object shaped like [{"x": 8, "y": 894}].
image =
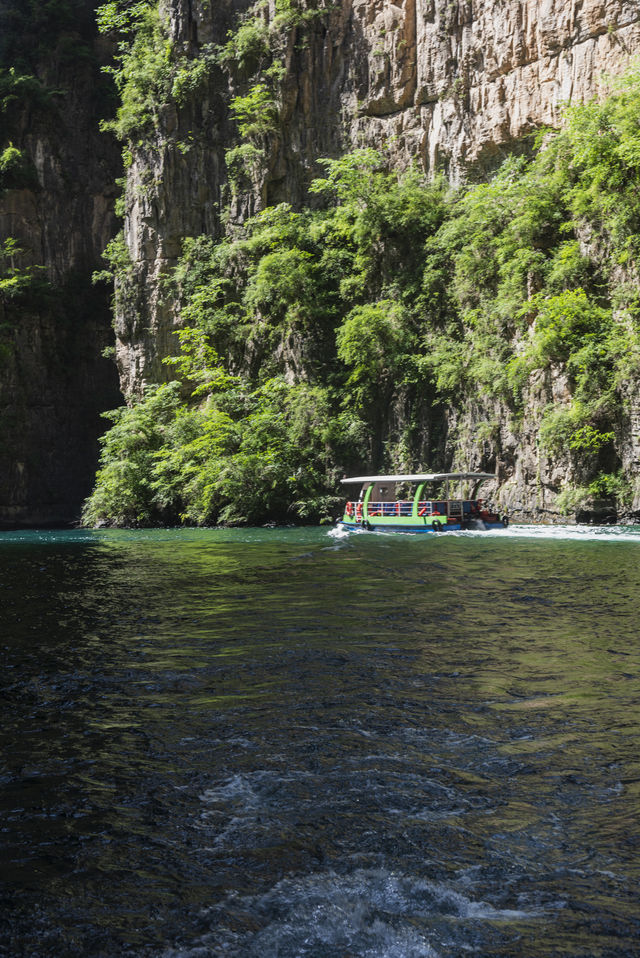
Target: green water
[{"x": 286, "y": 743}]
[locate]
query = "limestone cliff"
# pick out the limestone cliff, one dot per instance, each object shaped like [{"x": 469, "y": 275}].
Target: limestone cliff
[
  {"x": 56, "y": 213},
  {"x": 459, "y": 83},
  {"x": 452, "y": 86},
  {"x": 455, "y": 86}
]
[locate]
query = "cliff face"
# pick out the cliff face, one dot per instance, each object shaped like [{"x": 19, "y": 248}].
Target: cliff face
[
  {"x": 455, "y": 86},
  {"x": 173, "y": 190},
  {"x": 460, "y": 83},
  {"x": 56, "y": 213},
  {"x": 451, "y": 86}
]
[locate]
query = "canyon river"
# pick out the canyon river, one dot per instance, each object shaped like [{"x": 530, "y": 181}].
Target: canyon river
[{"x": 284, "y": 742}]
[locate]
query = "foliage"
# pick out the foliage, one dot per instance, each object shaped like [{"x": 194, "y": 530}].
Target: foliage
[
  {"x": 191, "y": 76},
  {"x": 17, "y": 171},
  {"x": 121, "y": 17},
  {"x": 120, "y": 271},
  {"x": 314, "y": 339},
  {"x": 20, "y": 283},
  {"x": 373, "y": 342},
  {"x": 123, "y": 490},
  {"x": 256, "y": 112},
  {"x": 571, "y": 499},
  {"x": 144, "y": 71},
  {"x": 118, "y": 258},
  {"x": 32, "y": 29},
  {"x": 242, "y": 456},
  {"x": 244, "y": 165},
  {"x": 297, "y": 13},
  {"x": 601, "y": 149},
  {"x": 614, "y": 488},
  {"x": 247, "y": 46},
  {"x": 19, "y": 90},
  {"x": 564, "y": 323},
  {"x": 571, "y": 428}
]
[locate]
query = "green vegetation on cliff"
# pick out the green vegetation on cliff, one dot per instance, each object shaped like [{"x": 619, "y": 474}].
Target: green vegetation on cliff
[
  {"x": 369, "y": 324},
  {"x": 318, "y": 339},
  {"x": 257, "y": 440}
]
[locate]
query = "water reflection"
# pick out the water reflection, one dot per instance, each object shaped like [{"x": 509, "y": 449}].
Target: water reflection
[{"x": 273, "y": 743}]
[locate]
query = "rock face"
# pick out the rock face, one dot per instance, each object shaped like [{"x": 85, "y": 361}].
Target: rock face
[
  {"x": 452, "y": 84},
  {"x": 54, "y": 386},
  {"x": 459, "y": 83},
  {"x": 54, "y": 381},
  {"x": 174, "y": 189}
]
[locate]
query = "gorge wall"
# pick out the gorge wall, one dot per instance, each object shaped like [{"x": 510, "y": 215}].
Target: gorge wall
[
  {"x": 452, "y": 86},
  {"x": 455, "y": 86},
  {"x": 56, "y": 216}
]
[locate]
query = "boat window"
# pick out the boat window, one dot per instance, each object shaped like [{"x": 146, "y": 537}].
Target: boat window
[{"x": 383, "y": 493}]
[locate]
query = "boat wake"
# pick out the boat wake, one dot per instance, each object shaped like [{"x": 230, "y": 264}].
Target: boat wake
[
  {"x": 338, "y": 532},
  {"x": 576, "y": 533},
  {"x": 515, "y": 531}
]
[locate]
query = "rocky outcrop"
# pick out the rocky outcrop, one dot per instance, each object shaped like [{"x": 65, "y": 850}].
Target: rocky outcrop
[
  {"x": 460, "y": 83},
  {"x": 452, "y": 85}
]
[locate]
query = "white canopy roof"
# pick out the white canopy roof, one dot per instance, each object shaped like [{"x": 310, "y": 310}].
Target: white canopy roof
[{"x": 423, "y": 477}]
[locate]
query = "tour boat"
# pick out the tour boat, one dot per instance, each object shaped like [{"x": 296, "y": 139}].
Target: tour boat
[{"x": 379, "y": 509}]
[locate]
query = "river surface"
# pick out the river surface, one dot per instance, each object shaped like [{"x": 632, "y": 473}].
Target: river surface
[{"x": 291, "y": 744}]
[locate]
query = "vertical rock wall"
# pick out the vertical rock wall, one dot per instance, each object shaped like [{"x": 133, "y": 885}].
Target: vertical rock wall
[
  {"x": 54, "y": 381},
  {"x": 452, "y": 85},
  {"x": 458, "y": 83}
]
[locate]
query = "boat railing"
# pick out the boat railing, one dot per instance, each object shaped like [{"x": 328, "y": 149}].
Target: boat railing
[
  {"x": 398, "y": 508},
  {"x": 455, "y": 508}
]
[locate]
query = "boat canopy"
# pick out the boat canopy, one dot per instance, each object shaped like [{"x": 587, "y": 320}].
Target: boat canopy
[{"x": 422, "y": 477}]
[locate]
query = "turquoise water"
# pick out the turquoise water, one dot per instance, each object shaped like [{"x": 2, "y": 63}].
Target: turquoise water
[{"x": 294, "y": 743}]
